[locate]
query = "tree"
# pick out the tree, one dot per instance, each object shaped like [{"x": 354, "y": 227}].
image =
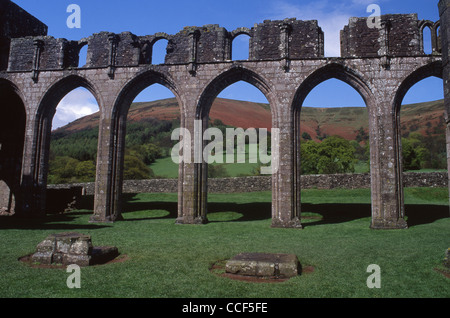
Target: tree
[
  {"x": 62, "y": 170},
  {"x": 69, "y": 170},
  {"x": 85, "y": 171},
  {"x": 362, "y": 136},
  {"x": 135, "y": 169},
  {"x": 148, "y": 152},
  {"x": 306, "y": 136},
  {"x": 333, "y": 155},
  {"x": 414, "y": 152},
  {"x": 217, "y": 171}
]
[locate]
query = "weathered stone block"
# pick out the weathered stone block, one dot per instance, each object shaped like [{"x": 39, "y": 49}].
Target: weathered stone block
[
  {"x": 44, "y": 258},
  {"x": 264, "y": 265},
  {"x": 83, "y": 246},
  {"x": 46, "y": 246},
  {"x": 80, "y": 260},
  {"x": 72, "y": 248},
  {"x": 55, "y": 248}
]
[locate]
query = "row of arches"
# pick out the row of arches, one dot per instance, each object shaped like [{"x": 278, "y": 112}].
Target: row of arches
[{"x": 141, "y": 84}]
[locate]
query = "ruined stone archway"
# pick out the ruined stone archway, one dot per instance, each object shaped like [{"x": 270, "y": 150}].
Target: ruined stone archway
[
  {"x": 198, "y": 211},
  {"x": 112, "y": 132},
  {"x": 433, "y": 68},
  {"x": 43, "y": 126},
  {"x": 233, "y": 75},
  {"x": 12, "y": 135},
  {"x": 334, "y": 70},
  {"x": 417, "y": 75}
]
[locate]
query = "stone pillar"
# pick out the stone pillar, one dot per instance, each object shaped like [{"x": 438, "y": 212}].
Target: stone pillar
[
  {"x": 385, "y": 165},
  {"x": 193, "y": 175},
  {"x": 28, "y": 169},
  {"x": 285, "y": 203},
  {"x": 35, "y": 167},
  {"x": 107, "y": 198},
  {"x": 444, "y": 13},
  {"x": 25, "y": 199}
]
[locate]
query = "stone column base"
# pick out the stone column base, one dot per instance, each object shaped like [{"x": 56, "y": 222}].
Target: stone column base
[
  {"x": 383, "y": 224},
  {"x": 98, "y": 219},
  {"x": 191, "y": 220},
  {"x": 294, "y": 223}
]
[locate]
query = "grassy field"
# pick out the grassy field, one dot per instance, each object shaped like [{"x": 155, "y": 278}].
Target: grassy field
[
  {"x": 166, "y": 168},
  {"x": 165, "y": 260}
]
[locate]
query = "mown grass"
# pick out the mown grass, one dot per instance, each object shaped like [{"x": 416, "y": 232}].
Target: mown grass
[
  {"x": 166, "y": 168},
  {"x": 166, "y": 260},
  {"x": 248, "y": 165}
]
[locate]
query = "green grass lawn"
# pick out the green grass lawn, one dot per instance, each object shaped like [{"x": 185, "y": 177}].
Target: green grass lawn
[
  {"x": 234, "y": 166},
  {"x": 165, "y": 168},
  {"x": 166, "y": 260}
]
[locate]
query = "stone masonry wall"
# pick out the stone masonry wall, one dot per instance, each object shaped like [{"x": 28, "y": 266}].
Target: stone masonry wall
[
  {"x": 263, "y": 183},
  {"x": 16, "y": 22},
  {"x": 398, "y": 36}
]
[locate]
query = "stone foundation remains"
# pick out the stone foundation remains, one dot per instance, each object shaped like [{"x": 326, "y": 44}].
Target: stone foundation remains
[
  {"x": 71, "y": 248},
  {"x": 264, "y": 265}
]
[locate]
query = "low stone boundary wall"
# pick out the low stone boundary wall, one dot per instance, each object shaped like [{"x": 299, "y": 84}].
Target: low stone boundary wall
[{"x": 263, "y": 183}]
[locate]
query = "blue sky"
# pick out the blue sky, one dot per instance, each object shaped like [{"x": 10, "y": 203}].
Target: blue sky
[{"x": 143, "y": 17}]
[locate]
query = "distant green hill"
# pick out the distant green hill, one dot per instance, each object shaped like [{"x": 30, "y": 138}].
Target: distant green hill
[{"x": 317, "y": 122}]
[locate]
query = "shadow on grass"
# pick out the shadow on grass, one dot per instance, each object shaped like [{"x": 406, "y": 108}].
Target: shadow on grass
[
  {"x": 424, "y": 214},
  {"x": 330, "y": 213},
  {"x": 66, "y": 222},
  {"x": 60, "y": 222},
  {"x": 338, "y": 213}
]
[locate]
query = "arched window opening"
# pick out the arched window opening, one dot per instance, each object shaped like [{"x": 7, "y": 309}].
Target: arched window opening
[
  {"x": 159, "y": 51},
  {"x": 334, "y": 113},
  {"x": 331, "y": 128},
  {"x": 422, "y": 127},
  {"x": 239, "y": 126},
  {"x": 75, "y": 105},
  {"x": 82, "y": 56},
  {"x": 74, "y": 139},
  {"x": 151, "y": 118},
  {"x": 427, "y": 40},
  {"x": 240, "y": 47}
]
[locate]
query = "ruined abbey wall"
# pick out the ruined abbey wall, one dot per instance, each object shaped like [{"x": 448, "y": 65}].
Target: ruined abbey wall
[{"x": 286, "y": 61}]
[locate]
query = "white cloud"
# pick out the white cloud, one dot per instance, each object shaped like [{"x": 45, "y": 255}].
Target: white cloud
[
  {"x": 78, "y": 103},
  {"x": 332, "y": 16}
]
